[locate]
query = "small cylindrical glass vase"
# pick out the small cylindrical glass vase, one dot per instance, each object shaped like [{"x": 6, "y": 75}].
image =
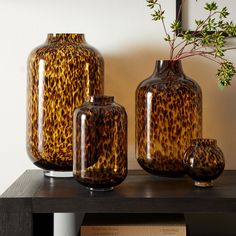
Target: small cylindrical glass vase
[
  {"x": 203, "y": 161},
  {"x": 100, "y": 143}
]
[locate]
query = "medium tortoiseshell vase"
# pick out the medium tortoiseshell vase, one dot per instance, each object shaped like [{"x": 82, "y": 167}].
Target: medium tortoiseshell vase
[
  {"x": 61, "y": 74},
  {"x": 168, "y": 116},
  {"x": 100, "y": 143},
  {"x": 203, "y": 162}
]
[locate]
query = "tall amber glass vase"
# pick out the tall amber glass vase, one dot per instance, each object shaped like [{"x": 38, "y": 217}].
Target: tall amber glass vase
[
  {"x": 168, "y": 116},
  {"x": 62, "y": 73}
]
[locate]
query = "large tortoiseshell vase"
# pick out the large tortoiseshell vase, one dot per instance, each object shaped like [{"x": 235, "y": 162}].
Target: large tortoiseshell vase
[
  {"x": 100, "y": 143},
  {"x": 62, "y": 73},
  {"x": 168, "y": 116}
]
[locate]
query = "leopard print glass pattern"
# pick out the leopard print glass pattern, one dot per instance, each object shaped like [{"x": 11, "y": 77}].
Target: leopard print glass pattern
[
  {"x": 100, "y": 143},
  {"x": 203, "y": 161},
  {"x": 168, "y": 116},
  {"x": 62, "y": 73}
]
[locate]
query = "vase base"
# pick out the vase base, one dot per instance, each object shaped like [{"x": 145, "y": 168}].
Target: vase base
[
  {"x": 175, "y": 173},
  {"x": 58, "y": 174},
  {"x": 100, "y": 189},
  {"x": 203, "y": 184}
]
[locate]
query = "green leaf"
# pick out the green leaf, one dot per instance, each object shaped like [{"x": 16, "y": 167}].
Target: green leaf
[
  {"x": 205, "y": 39},
  {"x": 188, "y": 37},
  {"x": 167, "y": 38},
  {"x": 229, "y": 28},
  {"x": 211, "y": 25},
  {"x": 151, "y": 3},
  {"x": 211, "y": 6},
  {"x": 158, "y": 15},
  {"x": 219, "y": 52},
  {"x": 199, "y": 22},
  {"x": 175, "y": 25},
  {"x": 225, "y": 73},
  {"x": 224, "y": 13},
  {"x": 218, "y": 39}
]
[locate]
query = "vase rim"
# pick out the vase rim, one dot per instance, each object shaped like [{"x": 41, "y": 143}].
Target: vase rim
[
  {"x": 161, "y": 61},
  {"x": 58, "y": 34},
  {"x": 72, "y": 37},
  {"x": 101, "y": 99},
  {"x": 168, "y": 60},
  {"x": 203, "y": 140}
]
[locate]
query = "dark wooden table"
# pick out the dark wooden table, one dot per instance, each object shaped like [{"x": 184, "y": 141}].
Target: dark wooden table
[{"x": 32, "y": 193}]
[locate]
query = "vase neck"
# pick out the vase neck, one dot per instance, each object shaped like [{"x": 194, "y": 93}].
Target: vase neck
[
  {"x": 73, "y": 38},
  {"x": 168, "y": 69},
  {"x": 101, "y": 100}
]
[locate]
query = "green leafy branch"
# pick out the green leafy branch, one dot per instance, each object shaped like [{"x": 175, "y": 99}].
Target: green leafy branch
[{"x": 207, "y": 40}]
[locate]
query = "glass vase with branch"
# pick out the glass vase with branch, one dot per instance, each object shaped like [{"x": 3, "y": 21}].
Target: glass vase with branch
[{"x": 207, "y": 40}]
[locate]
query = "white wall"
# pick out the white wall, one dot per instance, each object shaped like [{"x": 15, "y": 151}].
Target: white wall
[{"x": 130, "y": 43}]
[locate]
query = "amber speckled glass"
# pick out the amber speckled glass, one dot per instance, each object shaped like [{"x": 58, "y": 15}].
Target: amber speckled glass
[
  {"x": 100, "y": 143},
  {"x": 203, "y": 161},
  {"x": 168, "y": 116},
  {"x": 62, "y": 73}
]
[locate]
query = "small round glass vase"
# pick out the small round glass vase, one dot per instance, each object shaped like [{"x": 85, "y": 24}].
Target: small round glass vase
[
  {"x": 203, "y": 162},
  {"x": 100, "y": 143}
]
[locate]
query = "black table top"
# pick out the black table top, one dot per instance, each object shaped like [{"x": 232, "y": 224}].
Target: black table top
[{"x": 139, "y": 193}]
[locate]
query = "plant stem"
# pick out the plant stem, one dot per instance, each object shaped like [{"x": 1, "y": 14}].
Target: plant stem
[
  {"x": 163, "y": 23},
  {"x": 195, "y": 32}
]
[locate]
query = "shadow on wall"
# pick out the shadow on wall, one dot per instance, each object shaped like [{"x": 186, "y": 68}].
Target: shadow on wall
[{"x": 124, "y": 71}]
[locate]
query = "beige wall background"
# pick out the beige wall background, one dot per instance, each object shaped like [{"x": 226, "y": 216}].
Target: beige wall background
[{"x": 130, "y": 43}]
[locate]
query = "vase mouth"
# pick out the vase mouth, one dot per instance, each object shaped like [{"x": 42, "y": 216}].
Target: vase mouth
[
  {"x": 70, "y": 37},
  {"x": 168, "y": 60},
  {"x": 168, "y": 69},
  {"x": 207, "y": 141},
  {"x": 101, "y": 99},
  {"x": 163, "y": 63}
]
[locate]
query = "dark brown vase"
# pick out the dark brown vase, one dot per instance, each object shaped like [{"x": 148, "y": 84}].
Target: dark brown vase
[
  {"x": 168, "y": 116},
  {"x": 100, "y": 143},
  {"x": 203, "y": 162},
  {"x": 62, "y": 73}
]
